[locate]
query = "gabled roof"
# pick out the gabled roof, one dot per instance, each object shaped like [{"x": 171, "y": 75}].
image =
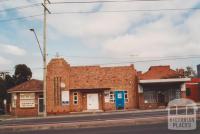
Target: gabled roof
[
  {"x": 28, "y": 86},
  {"x": 160, "y": 72}
]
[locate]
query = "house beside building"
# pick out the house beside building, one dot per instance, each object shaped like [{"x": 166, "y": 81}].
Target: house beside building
[
  {"x": 27, "y": 98},
  {"x": 193, "y": 89},
  {"x": 159, "y": 85},
  {"x": 96, "y": 88}
]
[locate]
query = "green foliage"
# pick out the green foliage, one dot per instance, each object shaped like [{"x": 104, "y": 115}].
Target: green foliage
[
  {"x": 22, "y": 73},
  {"x": 190, "y": 72},
  {"x": 5, "y": 84},
  {"x": 188, "y": 92}
]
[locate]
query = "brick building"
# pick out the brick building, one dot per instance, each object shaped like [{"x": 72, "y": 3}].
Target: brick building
[
  {"x": 159, "y": 85},
  {"x": 193, "y": 89},
  {"x": 96, "y": 88},
  {"x": 89, "y": 88},
  {"x": 27, "y": 98}
]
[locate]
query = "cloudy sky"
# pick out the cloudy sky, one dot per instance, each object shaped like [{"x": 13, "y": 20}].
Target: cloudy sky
[{"x": 139, "y": 31}]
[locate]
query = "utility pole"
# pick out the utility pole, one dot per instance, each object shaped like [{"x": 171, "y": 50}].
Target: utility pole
[
  {"x": 3, "y": 75},
  {"x": 44, "y": 53}
]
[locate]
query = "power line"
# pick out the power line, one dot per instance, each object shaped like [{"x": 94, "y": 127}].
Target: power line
[
  {"x": 21, "y": 18},
  {"x": 125, "y": 11},
  {"x": 70, "y": 2},
  {"x": 166, "y": 58},
  {"x": 88, "y": 57},
  {"x": 10, "y": 70},
  {"x": 99, "y": 1},
  {"x": 4, "y": 1},
  {"x": 105, "y": 11},
  {"x": 126, "y": 62},
  {"x": 21, "y": 7},
  {"x": 119, "y": 58},
  {"x": 153, "y": 60}
]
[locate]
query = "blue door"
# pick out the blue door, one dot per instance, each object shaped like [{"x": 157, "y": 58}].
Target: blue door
[{"x": 119, "y": 99}]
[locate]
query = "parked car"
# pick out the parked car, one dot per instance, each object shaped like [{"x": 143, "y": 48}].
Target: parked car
[{"x": 2, "y": 111}]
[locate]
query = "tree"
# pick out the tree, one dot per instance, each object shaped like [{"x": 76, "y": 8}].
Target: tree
[
  {"x": 5, "y": 84},
  {"x": 22, "y": 74},
  {"x": 2, "y": 92},
  {"x": 190, "y": 72}
]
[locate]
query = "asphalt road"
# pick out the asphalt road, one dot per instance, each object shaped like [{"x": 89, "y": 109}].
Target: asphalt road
[
  {"x": 140, "y": 129},
  {"x": 84, "y": 118}
]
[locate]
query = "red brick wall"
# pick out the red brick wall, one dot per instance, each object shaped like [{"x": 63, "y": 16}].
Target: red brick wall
[
  {"x": 82, "y": 78},
  {"x": 23, "y": 112},
  {"x": 194, "y": 86},
  {"x": 194, "y": 92},
  {"x": 57, "y": 68}
]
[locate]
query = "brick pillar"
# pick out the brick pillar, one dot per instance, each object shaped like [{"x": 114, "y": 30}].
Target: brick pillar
[
  {"x": 183, "y": 90},
  {"x": 140, "y": 96}
]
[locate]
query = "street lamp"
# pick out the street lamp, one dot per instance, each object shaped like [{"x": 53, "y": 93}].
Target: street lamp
[
  {"x": 43, "y": 53},
  {"x": 32, "y": 30}
]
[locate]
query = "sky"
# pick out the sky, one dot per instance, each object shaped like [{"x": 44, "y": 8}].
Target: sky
[{"x": 102, "y": 38}]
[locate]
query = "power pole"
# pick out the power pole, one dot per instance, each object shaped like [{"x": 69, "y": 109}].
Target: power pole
[
  {"x": 3, "y": 75},
  {"x": 44, "y": 52}
]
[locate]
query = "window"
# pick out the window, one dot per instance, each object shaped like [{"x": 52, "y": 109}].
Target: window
[
  {"x": 188, "y": 91},
  {"x": 149, "y": 97},
  {"x": 65, "y": 97},
  {"x": 107, "y": 96},
  {"x": 126, "y": 96},
  {"x": 75, "y": 98},
  {"x": 112, "y": 97},
  {"x": 27, "y": 100},
  {"x": 178, "y": 93},
  {"x": 57, "y": 91},
  {"x": 14, "y": 100}
]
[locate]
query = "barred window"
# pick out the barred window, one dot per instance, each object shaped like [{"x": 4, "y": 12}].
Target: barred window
[
  {"x": 149, "y": 97},
  {"x": 112, "y": 97},
  {"x": 126, "y": 96},
  {"x": 75, "y": 98}
]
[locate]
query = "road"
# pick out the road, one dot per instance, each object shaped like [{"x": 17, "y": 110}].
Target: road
[
  {"x": 117, "y": 117},
  {"x": 84, "y": 118},
  {"x": 140, "y": 129}
]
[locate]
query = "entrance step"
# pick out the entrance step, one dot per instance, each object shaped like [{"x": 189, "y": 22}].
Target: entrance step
[{"x": 93, "y": 111}]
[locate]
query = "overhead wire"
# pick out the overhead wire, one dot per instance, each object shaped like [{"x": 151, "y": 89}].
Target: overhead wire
[
  {"x": 101, "y": 1},
  {"x": 152, "y": 60},
  {"x": 11, "y": 70},
  {"x": 105, "y": 11},
  {"x": 21, "y": 7},
  {"x": 125, "y": 11}
]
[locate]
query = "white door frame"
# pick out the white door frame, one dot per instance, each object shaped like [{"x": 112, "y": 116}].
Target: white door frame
[
  {"x": 93, "y": 102},
  {"x": 39, "y": 113}
]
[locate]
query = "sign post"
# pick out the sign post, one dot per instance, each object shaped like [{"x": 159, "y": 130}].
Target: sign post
[{"x": 5, "y": 105}]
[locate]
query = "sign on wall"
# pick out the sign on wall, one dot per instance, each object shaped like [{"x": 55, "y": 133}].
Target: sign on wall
[
  {"x": 65, "y": 97},
  {"x": 107, "y": 96},
  {"x": 27, "y": 100},
  {"x": 27, "y": 103},
  {"x": 26, "y": 96}
]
